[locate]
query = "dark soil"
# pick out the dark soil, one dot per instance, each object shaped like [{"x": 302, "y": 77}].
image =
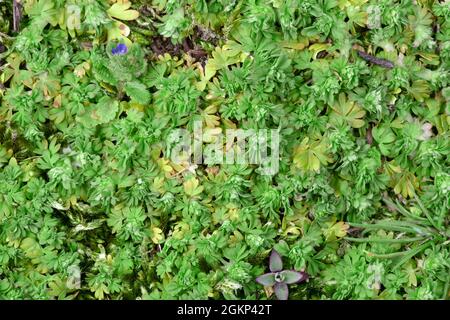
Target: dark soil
[
  {"x": 161, "y": 45},
  {"x": 2, "y": 49}
]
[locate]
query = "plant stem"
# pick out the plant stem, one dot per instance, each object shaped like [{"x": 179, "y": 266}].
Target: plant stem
[
  {"x": 386, "y": 240},
  {"x": 381, "y": 226},
  {"x": 388, "y": 255},
  {"x": 447, "y": 285},
  {"x": 427, "y": 214},
  {"x": 403, "y": 211},
  {"x": 411, "y": 253}
]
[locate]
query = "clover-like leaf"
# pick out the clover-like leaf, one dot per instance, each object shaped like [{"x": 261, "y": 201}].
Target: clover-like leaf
[
  {"x": 230, "y": 53},
  {"x": 385, "y": 138},
  {"x": 420, "y": 90},
  {"x": 308, "y": 156},
  {"x": 335, "y": 230},
  {"x": 192, "y": 188},
  {"x": 348, "y": 111}
]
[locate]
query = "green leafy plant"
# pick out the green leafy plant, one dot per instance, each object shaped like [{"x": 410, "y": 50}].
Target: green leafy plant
[{"x": 93, "y": 205}]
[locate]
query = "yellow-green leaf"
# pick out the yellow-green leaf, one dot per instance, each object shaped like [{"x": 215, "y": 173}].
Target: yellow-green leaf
[
  {"x": 406, "y": 185},
  {"x": 348, "y": 111},
  {"x": 121, "y": 11},
  {"x": 157, "y": 235},
  {"x": 309, "y": 156},
  {"x": 192, "y": 188},
  {"x": 335, "y": 230}
]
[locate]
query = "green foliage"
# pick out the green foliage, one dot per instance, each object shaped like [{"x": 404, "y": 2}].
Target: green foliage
[{"x": 92, "y": 207}]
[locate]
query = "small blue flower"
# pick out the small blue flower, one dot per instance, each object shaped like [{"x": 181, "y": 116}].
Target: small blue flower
[{"x": 120, "y": 49}]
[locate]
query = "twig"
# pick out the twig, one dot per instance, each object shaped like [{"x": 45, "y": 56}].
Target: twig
[
  {"x": 17, "y": 15},
  {"x": 384, "y": 240},
  {"x": 380, "y": 62}
]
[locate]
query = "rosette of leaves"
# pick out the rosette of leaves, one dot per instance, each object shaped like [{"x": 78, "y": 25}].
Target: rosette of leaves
[{"x": 279, "y": 278}]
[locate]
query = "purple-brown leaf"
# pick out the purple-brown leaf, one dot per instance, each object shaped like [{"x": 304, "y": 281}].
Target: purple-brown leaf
[
  {"x": 267, "y": 279},
  {"x": 292, "y": 276},
  {"x": 281, "y": 291},
  {"x": 275, "y": 262}
]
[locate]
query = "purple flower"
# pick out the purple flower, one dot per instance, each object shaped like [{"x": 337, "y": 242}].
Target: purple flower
[
  {"x": 279, "y": 278},
  {"x": 120, "y": 49}
]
